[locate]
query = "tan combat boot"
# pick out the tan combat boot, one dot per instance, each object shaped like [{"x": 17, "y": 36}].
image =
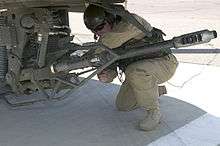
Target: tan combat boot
[{"x": 151, "y": 120}]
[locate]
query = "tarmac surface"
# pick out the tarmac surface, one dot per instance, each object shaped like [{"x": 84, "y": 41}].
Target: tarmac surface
[{"x": 191, "y": 113}]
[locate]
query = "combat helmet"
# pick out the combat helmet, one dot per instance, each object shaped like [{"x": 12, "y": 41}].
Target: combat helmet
[{"x": 95, "y": 15}]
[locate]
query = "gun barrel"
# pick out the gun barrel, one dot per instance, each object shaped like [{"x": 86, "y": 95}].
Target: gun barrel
[
  {"x": 146, "y": 50},
  {"x": 185, "y": 40},
  {"x": 190, "y": 39},
  {"x": 195, "y": 38}
]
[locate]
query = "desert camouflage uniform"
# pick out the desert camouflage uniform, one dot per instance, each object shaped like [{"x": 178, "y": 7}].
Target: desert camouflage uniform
[{"x": 140, "y": 88}]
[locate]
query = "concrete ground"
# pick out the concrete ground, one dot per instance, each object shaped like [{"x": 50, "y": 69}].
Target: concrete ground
[{"x": 191, "y": 113}]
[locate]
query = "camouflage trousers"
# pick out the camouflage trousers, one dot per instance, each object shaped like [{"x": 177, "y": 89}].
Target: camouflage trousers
[{"x": 140, "y": 88}]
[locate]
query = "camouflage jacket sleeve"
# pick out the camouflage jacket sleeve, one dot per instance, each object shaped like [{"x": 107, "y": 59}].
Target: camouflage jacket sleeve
[{"x": 123, "y": 32}]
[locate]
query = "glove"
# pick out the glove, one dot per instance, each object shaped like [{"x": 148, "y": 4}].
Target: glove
[{"x": 107, "y": 76}]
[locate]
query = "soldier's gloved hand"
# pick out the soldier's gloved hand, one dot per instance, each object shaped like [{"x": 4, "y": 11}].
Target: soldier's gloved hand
[{"x": 107, "y": 76}]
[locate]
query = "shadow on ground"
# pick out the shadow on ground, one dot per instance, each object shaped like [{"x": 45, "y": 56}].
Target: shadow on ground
[{"x": 89, "y": 118}]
